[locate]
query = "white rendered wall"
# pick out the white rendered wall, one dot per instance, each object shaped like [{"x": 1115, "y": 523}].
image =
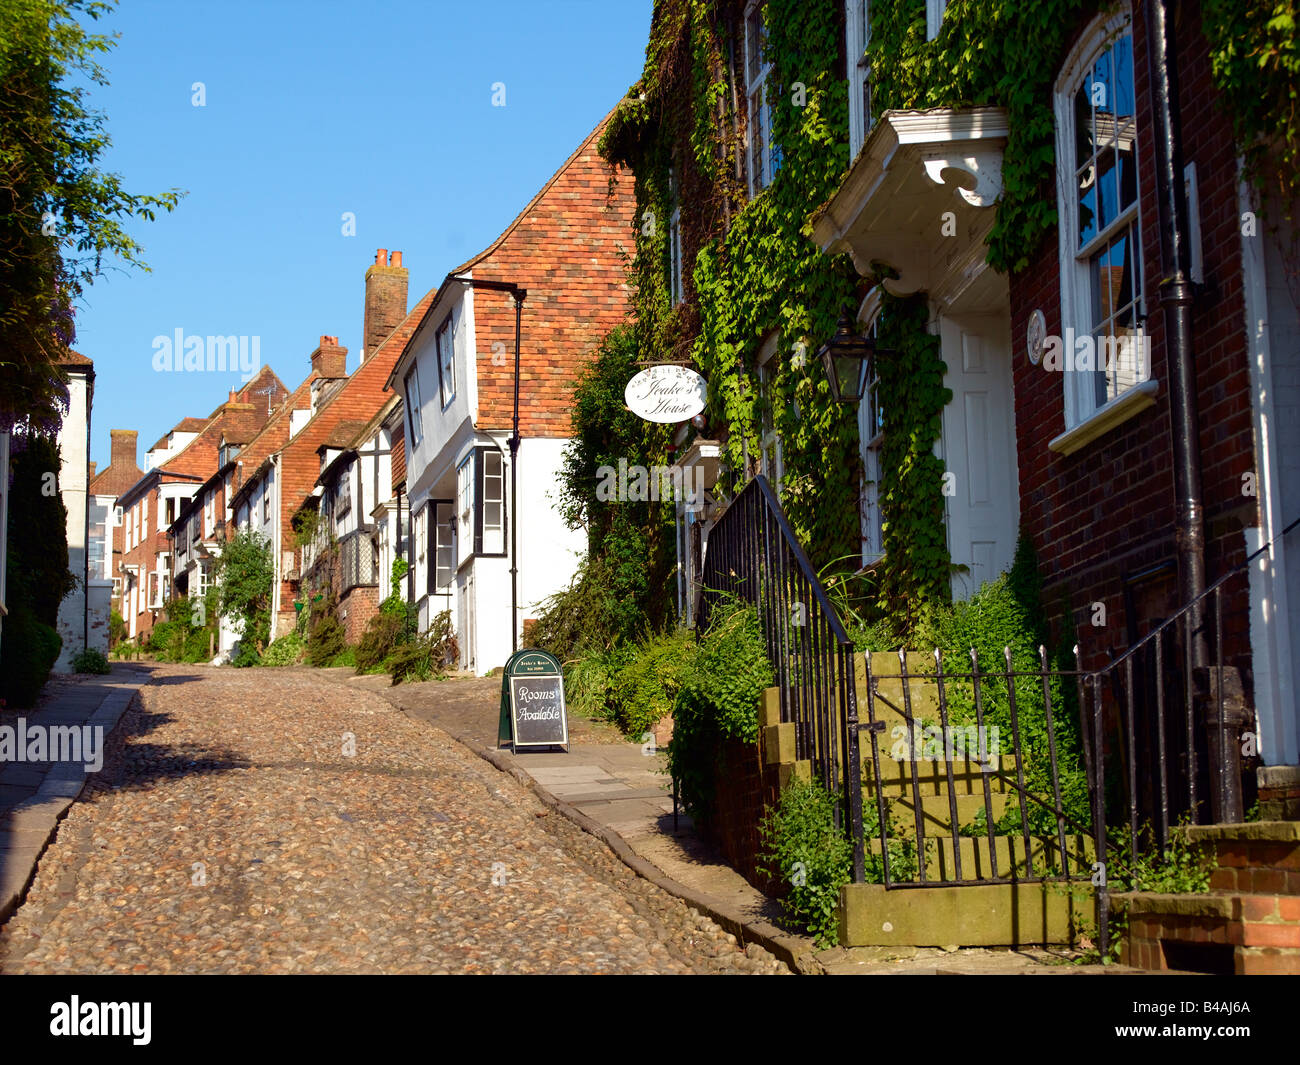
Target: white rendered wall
[{"x": 73, "y": 485}]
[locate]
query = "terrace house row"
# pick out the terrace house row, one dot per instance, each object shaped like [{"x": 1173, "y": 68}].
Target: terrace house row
[
  {"x": 176, "y": 467},
  {"x": 282, "y": 465}
]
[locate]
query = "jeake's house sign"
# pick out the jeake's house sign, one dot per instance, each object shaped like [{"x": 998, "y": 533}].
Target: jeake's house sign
[{"x": 666, "y": 393}]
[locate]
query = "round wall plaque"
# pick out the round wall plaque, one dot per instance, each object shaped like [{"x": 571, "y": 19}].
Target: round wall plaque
[{"x": 1036, "y": 336}]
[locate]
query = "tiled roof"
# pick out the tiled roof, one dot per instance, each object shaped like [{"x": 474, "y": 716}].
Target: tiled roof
[
  {"x": 343, "y": 435},
  {"x": 73, "y": 358}
]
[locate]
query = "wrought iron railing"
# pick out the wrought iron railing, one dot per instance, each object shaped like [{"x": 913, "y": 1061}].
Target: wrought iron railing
[
  {"x": 1165, "y": 713},
  {"x": 754, "y": 555}
]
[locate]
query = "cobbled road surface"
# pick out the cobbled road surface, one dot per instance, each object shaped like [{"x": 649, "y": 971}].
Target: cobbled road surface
[{"x": 229, "y": 832}]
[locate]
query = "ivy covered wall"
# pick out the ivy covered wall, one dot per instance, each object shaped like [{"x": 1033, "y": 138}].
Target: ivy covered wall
[{"x": 752, "y": 272}]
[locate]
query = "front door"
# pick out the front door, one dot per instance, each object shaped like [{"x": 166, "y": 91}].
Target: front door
[{"x": 978, "y": 448}]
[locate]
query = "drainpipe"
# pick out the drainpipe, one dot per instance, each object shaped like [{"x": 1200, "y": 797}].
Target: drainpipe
[{"x": 1176, "y": 298}]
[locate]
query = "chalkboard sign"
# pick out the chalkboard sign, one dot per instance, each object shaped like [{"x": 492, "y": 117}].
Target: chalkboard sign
[{"x": 533, "y": 697}]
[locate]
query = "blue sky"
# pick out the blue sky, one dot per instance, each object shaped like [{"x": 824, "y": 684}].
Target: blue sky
[{"x": 314, "y": 109}]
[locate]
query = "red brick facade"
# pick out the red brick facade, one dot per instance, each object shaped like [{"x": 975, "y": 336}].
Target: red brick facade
[{"x": 1107, "y": 511}]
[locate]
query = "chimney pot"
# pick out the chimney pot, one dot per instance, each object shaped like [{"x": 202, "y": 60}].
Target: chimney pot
[{"x": 385, "y": 302}]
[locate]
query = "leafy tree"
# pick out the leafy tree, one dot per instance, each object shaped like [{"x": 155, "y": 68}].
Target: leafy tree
[
  {"x": 61, "y": 217},
  {"x": 244, "y": 575}
]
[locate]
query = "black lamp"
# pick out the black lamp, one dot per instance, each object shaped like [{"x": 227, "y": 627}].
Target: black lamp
[{"x": 845, "y": 357}]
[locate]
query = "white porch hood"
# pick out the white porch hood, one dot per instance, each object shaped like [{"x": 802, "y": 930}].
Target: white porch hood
[{"x": 892, "y": 208}]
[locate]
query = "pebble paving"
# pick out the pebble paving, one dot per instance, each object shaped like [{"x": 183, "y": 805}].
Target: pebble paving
[{"x": 233, "y": 830}]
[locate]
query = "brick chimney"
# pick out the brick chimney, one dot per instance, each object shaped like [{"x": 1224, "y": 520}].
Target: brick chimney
[
  {"x": 330, "y": 359},
  {"x": 122, "y": 447},
  {"x": 385, "y": 300},
  {"x": 92, "y": 471}
]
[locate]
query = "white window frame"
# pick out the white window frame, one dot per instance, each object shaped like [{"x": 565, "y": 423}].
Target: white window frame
[
  {"x": 676, "y": 294},
  {"x": 420, "y": 535},
  {"x": 490, "y": 538},
  {"x": 266, "y": 501},
  {"x": 1080, "y": 401},
  {"x": 444, "y": 547},
  {"x": 118, "y": 518},
  {"x": 444, "y": 346},
  {"x": 857, "y": 29},
  {"x": 414, "y": 412},
  {"x": 759, "y": 152},
  {"x": 209, "y": 516},
  {"x": 144, "y": 516},
  {"x": 465, "y": 507}
]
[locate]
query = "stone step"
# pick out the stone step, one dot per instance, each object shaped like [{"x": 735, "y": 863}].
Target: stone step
[
  {"x": 936, "y": 814},
  {"x": 976, "y": 863},
  {"x": 932, "y": 777}
]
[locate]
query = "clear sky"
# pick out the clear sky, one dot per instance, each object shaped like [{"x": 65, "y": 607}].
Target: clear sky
[{"x": 315, "y": 108}]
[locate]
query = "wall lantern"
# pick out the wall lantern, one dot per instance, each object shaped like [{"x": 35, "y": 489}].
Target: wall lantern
[{"x": 846, "y": 358}]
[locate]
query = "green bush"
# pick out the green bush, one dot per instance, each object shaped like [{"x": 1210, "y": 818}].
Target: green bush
[
  {"x": 718, "y": 700},
  {"x": 426, "y": 656},
  {"x": 28, "y": 651},
  {"x": 244, "y": 574},
  {"x": 285, "y": 651},
  {"x": 383, "y": 633},
  {"x": 116, "y": 628},
  {"x": 589, "y": 680},
  {"x": 345, "y": 658},
  {"x": 645, "y": 689},
  {"x": 91, "y": 660},
  {"x": 812, "y": 858},
  {"x": 325, "y": 639},
  {"x": 198, "y": 646}
]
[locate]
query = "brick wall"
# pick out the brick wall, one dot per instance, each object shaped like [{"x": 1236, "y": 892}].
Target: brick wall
[{"x": 356, "y": 608}]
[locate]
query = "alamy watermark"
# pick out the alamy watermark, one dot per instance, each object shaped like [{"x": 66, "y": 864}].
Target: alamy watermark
[
  {"x": 639, "y": 484},
  {"x": 1128, "y": 354},
  {"x": 196, "y": 354},
  {"x": 53, "y": 743},
  {"x": 930, "y": 743}
]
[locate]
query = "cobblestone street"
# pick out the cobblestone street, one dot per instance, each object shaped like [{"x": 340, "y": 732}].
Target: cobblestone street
[{"x": 231, "y": 830}]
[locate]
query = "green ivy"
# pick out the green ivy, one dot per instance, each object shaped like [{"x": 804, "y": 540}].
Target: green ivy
[{"x": 1255, "y": 64}]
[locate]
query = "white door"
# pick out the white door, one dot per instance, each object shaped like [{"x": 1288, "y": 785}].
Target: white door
[
  {"x": 978, "y": 448},
  {"x": 466, "y": 634}
]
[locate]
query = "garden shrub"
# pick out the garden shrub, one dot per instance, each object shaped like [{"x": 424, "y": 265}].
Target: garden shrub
[
  {"x": 589, "y": 680},
  {"x": 284, "y": 651},
  {"x": 243, "y": 575},
  {"x": 325, "y": 638},
  {"x": 644, "y": 690},
  {"x": 428, "y": 655},
  {"x": 91, "y": 660},
  {"x": 383, "y": 633},
  {"x": 809, "y": 856},
  {"x": 718, "y": 700},
  {"x": 28, "y": 651}
]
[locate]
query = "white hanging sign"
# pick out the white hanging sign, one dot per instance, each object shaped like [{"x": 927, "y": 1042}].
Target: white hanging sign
[{"x": 666, "y": 393}]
